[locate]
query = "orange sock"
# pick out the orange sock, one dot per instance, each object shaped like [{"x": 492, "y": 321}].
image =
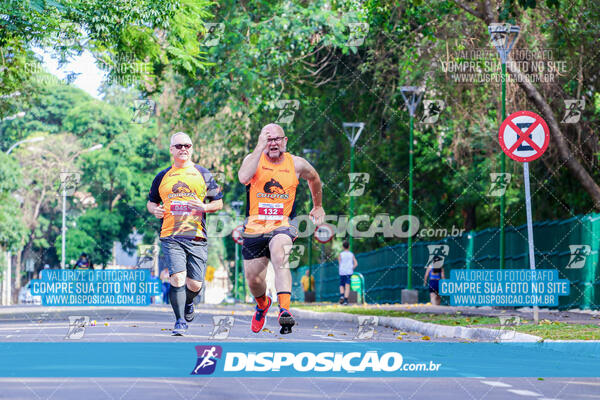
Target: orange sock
[
  {"x": 284, "y": 299},
  {"x": 262, "y": 301}
]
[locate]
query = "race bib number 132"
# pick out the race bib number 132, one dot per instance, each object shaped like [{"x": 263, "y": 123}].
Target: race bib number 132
[{"x": 270, "y": 211}]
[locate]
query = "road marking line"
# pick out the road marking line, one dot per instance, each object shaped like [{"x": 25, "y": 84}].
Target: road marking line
[
  {"x": 496, "y": 384},
  {"x": 524, "y": 392}
]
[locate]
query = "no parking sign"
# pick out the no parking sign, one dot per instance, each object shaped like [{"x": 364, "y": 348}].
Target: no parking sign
[{"x": 524, "y": 136}]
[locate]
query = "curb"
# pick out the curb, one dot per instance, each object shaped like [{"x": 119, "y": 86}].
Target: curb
[{"x": 429, "y": 329}]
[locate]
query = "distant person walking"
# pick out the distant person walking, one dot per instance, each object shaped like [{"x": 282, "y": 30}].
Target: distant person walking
[
  {"x": 83, "y": 262},
  {"x": 432, "y": 279},
  {"x": 347, "y": 262},
  {"x": 308, "y": 283}
]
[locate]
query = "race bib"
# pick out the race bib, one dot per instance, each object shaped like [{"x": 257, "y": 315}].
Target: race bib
[
  {"x": 270, "y": 211},
  {"x": 179, "y": 207}
]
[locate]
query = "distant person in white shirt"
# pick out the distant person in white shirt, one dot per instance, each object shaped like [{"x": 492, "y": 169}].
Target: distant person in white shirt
[{"x": 347, "y": 263}]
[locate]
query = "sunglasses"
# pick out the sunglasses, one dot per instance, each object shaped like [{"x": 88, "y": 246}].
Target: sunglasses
[
  {"x": 182, "y": 146},
  {"x": 278, "y": 139}
]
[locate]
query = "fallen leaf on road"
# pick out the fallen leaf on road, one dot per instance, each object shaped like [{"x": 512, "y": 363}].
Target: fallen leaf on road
[
  {"x": 316, "y": 327},
  {"x": 106, "y": 324},
  {"x": 267, "y": 330},
  {"x": 164, "y": 329},
  {"x": 399, "y": 337},
  {"x": 330, "y": 334},
  {"x": 425, "y": 338}
]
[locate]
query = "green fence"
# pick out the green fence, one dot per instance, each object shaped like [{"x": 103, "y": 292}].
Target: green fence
[{"x": 556, "y": 244}]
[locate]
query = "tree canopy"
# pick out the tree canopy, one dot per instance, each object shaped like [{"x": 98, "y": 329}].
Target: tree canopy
[{"x": 222, "y": 71}]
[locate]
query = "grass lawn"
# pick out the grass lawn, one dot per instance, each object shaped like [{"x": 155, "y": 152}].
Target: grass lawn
[{"x": 544, "y": 329}]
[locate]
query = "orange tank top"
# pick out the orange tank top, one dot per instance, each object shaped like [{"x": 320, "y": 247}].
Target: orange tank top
[{"x": 271, "y": 196}]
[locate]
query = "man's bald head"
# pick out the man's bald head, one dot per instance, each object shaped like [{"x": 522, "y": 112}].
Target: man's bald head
[
  {"x": 180, "y": 136},
  {"x": 276, "y": 141},
  {"x": 273, "y": 128}
]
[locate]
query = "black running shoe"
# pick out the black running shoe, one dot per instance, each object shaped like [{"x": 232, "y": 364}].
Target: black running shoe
[
  {"x": 286, "y": 320},
  {"x": 188, "y": 312}
]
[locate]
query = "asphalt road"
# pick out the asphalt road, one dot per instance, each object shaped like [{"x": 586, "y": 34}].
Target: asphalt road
[
  {"x": 136, "y": 324},
  {"x": 300, "y": 388},
  {"x": 149, "y": 324}
]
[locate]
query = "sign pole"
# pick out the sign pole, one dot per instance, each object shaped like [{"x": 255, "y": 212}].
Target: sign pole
[
  {"x": 243, "y": 276},
  {"x": 530, "y": 232},
  {"x": 352, "y": 131},
  {"x": 503, "y": 37},
  {"x": 412, "y": 97},
  {"x": 351, "y": 212},
  {"x": 235, "y": 285},
  {"x": 64, "y": 226},
  {"x": 502, "y": 170},
  {"x": 410, "y": 201},
  {"x": 310, "y": 263}
]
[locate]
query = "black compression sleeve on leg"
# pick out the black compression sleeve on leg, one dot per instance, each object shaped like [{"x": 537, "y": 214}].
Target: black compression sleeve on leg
[
  {"x": 177, "y": 297},
  {"x": 189, "y": 295}
]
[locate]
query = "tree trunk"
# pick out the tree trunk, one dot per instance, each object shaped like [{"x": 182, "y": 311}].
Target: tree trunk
[{"x": 470, "y": 217}]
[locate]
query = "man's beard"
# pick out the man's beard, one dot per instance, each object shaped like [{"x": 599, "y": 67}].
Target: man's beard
[{"x": 279, "y": 154}]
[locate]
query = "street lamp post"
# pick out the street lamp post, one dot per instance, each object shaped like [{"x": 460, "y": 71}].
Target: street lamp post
[
  {"x": 412, "y": 97},
  {"x": 30, "y": 140},
  {"x": 353, "y": 131},
  {"x": 309, "y": 156},
  {"x": 237, "y": 207},
  {"x": 64, "y": 206},
  {"x": 503, "y": 37},
  {"x": 7, "y": 287}
]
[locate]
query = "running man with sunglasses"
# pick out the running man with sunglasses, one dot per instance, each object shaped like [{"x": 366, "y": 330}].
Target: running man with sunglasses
[
  {"x": 271, "y": 177},
  {"x": 180, "y": 196}
]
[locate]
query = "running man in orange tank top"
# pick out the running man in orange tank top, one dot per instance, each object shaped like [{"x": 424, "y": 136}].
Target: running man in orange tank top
[{"x": 271, "y": 177}]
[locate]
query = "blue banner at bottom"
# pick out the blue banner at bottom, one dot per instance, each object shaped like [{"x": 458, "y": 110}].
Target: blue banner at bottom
[{"x": 300, "y": 359}]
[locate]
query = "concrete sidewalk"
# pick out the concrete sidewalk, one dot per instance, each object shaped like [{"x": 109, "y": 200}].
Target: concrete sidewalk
[
  {"x": 574, "y": 316},
  {"x": 480, "y": 332}
]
